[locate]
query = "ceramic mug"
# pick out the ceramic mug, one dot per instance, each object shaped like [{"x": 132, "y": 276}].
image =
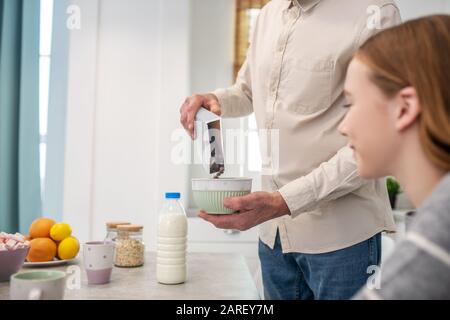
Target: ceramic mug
[
  {"x": 98, "y": 261},
  {"x": 38, "y": 285}
]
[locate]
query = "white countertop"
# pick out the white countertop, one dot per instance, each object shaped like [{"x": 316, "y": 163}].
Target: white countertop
[{"x": 210, "y": 276}]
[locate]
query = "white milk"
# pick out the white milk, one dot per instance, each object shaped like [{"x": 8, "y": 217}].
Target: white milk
[{"x": 172, "y": 242}]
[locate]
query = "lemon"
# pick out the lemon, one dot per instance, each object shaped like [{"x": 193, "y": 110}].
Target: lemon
[
  {"x": 60, "y": 231},
  {"x": 68, "y": 248}
]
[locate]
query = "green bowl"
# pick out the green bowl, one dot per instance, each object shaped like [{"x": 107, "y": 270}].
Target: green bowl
[{"x": 210, "y": 193}]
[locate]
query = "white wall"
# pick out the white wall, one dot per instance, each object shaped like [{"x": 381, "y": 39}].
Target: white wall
[
  {"x": 212, "y": 38},
  {"x": 128, "y": 96},
  {"x": 174, "y": 78},
  {"x": 129, "y": 67},
  {"x": 411, "y": 9},
  {"x": 80, "y": 120}
]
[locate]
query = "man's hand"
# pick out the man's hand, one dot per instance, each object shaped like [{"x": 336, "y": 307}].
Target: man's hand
[
  {"x": 191, "y": 106},
  {"x": 254, "y": 209}
]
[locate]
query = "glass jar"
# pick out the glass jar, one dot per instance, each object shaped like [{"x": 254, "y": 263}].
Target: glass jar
[
  {"x": 130, "y": 248},
  {"x": 111, "y": 230}
]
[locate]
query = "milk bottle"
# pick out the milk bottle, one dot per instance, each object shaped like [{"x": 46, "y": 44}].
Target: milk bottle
[{"x": 172, "y": 241}]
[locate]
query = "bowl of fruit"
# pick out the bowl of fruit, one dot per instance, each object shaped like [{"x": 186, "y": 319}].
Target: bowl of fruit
[
  {"x": 51, "y": 243},
  {"x": 13, "y": 251}
]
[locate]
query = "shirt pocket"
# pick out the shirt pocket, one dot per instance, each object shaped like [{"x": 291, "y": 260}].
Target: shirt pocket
[{"x": 311, "y": 82}]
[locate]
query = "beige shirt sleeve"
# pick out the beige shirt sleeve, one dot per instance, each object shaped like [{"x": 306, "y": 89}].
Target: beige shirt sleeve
[
  {"x": 236, "y": 101},
  {"x": 331, "y": 180},
  {"x": 338, "y": 176}
]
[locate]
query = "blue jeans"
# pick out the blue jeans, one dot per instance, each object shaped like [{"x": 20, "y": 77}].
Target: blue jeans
[{"x": 335, "y": 275}]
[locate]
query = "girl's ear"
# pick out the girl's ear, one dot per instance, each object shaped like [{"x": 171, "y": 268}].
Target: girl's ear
[{"x": 408, "y": 108}]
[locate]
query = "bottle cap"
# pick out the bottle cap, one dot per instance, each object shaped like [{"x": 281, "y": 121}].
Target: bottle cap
[{"x": 173, "y": 195}]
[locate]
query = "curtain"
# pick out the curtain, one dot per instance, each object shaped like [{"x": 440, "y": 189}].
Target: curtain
[{"x": 20, "y": 196}]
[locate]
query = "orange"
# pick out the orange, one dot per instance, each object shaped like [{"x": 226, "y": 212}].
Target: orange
[
  {"x": 40, "y": 228},
  {"x": 41, "y": 250}
]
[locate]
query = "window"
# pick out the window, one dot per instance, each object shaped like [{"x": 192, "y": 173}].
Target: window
[
  {"x": 46, "y": 24},
  {"x": 247, "y": 12}
]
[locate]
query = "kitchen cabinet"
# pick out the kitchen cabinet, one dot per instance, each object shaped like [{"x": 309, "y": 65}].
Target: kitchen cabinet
[{"x": 204, "y": 237}]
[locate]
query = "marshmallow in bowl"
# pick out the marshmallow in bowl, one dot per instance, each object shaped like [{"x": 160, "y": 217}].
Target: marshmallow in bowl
[{"x": 9, "y": 242}]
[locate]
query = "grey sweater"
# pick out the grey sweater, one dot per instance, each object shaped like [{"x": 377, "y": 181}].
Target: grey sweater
[{"x": 419, "y": 268}]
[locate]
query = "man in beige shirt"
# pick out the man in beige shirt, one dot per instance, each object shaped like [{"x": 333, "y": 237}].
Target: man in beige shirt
[{"x": 320, "y": 223}]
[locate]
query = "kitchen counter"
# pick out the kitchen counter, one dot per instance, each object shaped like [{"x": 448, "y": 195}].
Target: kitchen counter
[{"x": 210, "y": 276}]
